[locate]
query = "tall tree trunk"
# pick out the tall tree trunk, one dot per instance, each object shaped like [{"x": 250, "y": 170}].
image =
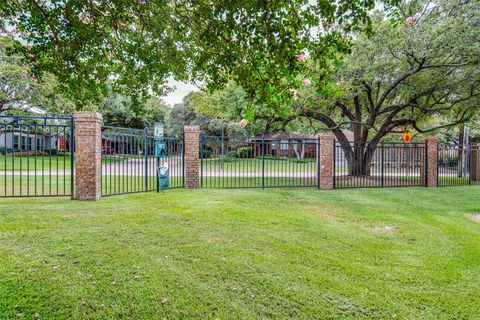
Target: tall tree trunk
[
  {"x": 360, "y": 163},
  {"x": 300, "y": 154}
]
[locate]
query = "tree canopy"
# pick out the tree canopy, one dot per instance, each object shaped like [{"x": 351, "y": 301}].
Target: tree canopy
[
  {"x": 421, "y": 74},
  {"x": 117, "y": 110},
  {"x": 138, "y": 44},
  {"x": 212, "y": 112},
  {"x": 20, "y": 92}
]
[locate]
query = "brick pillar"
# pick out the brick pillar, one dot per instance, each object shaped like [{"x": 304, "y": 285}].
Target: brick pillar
[
  {"x": 192, "y": 155},
  {"x": 88, "y": 162},
  {"x": 428, "y": 176},
  {"x": 326, "y": 160},
  {"x": 475, "y": 166}
]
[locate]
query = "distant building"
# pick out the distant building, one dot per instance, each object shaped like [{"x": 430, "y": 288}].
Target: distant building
[
  {"x": 22, "y": 139},
  {"x": 290, "y": 144}
]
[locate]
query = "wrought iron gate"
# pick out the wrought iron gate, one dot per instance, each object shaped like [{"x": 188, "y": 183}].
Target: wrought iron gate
[
  {"x": 457, "y": 165},
  {"x": 259, "y": 162},
  {"x": 389, "y": 164},
  {"x": 129, "y": 164},
  {"x": 36, "y": 156}
]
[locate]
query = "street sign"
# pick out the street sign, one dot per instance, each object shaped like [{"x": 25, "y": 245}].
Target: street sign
[
  {"x": 407, "y": 136},
  {"x": 158, "y": 133}
]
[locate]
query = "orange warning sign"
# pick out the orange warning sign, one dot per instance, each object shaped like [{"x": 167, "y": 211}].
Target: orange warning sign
[{"x": 407, "y": 136}]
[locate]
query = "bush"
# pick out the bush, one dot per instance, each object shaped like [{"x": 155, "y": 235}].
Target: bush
[
  {"x": 449, "y": 162},
  {"x": 4, "y": 150},
  {"x": 52, "y": 152},
  {"x": 232, "y": 154},
  {"x": 206, "y": 153},
  {"x": 246, "y": 152}
]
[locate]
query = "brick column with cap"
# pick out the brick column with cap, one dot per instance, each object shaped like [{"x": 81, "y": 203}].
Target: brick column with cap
[
  {"x": 428, "y": 175},
  {"x": 192, "y": 156},
  {"x": 88, "y": 162},
  {"x": 475, "y": 166},
  {"x": 326, "y": 160}
]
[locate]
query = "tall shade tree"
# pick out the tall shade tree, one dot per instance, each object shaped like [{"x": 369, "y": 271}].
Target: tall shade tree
[
  {"x": 217, "y": 121},
  {"x": 407, "y": 75},
  {"x": 117, "y": 110},
  {"x": 139, "y": 43}
]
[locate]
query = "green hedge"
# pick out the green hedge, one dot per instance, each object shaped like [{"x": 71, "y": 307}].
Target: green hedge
[{"x": 245, "y": 152}]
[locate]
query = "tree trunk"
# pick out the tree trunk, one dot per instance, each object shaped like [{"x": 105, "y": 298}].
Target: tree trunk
[
  {"x": 300, "y": 155},
  {"x": 360, "y": 163}
]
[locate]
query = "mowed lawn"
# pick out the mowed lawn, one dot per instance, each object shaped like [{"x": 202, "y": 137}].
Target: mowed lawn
[
  {"x": 244, "y": 254},
  {"x": 46, "y": 163}
]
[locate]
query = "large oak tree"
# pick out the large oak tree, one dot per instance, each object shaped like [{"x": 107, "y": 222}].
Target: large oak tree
[{"x": 422, "y": 74}]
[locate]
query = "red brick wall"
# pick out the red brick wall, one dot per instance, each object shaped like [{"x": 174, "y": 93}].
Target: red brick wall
[
  {"x": 88, "y": 164},
  {"x": 326, "y": 161},
  {"x": 192, "y": 152},
  {"x": 428, "y": 177},
  {"x": 475, "y": 167}
]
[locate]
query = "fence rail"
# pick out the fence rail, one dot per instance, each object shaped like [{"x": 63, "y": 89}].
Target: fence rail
[
  {"x": 36, "y": 156},
  {"x": 387, "y": 164},
  {"x": 129, "y": 164},
  {"x": 258, "y": 162}
]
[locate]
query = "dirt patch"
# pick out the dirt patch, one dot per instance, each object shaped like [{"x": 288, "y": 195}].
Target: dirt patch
[
  {"x": 476, "y": 217},
  {"x": 388, "y": 229}
]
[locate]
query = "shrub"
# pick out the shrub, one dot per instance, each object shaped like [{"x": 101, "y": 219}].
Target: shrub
[
  {"x": 232, "y": 154},
  {"x": 449, "y": 162},
  {"x": 206, "y": 153},
  {"x": 4, "y": 150},
  {"x": 245, "y": 152},
  {"x": 52, "y": 152}
]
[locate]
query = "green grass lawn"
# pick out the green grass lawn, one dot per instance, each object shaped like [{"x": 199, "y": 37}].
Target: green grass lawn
[
  {"x": 291, "y": 165},
  {"x": 244, "y": 254},
  {"x": 30, "y": 185},
  {"x": 32, "y": 163}
]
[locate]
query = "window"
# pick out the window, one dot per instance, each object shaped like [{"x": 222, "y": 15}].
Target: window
[
  {"x": 15, "y": 142},
  {"x": 284, "y": 145}
]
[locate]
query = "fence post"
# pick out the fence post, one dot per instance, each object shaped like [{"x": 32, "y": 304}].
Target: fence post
[
  {"x": 382, "y": 169},
  {"x": 475, "y": 163},
  {"x": 88, "y": 158},
  {"x": 192, "y": 152},
  {"x": 327, "y": 145},
  {"x": 318, "y": 162},
  {"x": 429, "y": 172},
  {"x": 263, "y": 161},
  {"x": 145, "y": 158}
]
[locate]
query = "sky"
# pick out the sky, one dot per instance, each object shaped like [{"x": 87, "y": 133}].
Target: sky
[{"x": 177, "y": 96}]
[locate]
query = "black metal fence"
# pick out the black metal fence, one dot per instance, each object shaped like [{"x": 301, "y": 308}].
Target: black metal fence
[
  {"x": 259, "y": 162},
  {"x": 387, "y": 164},
  {"x": 36, "y": 156},
  {"x": 129, "y": 164},
  {"x": 455, "y": 165}
]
